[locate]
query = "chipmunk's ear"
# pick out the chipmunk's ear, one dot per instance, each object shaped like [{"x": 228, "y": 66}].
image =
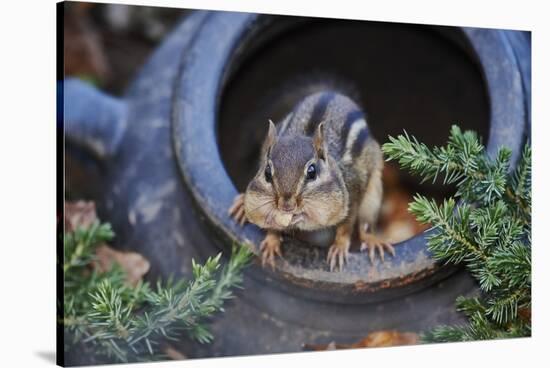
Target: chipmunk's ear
[
  {"x": 319, "y": 141},
  {"x": 271, "y": 135}
]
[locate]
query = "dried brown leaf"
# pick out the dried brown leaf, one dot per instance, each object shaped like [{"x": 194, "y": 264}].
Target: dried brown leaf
[
  {"x": 79, "y": 214},
  {"x": 174, "y": 354},
  {"x": 134, "y": 265},
  {"x": 525, "y": 314},
  {"x": 373, "y": 340},
  {"x": 386, "y": 338},
  {"x": 82, "y": 214},
  {"x": 396, "y": 222}
]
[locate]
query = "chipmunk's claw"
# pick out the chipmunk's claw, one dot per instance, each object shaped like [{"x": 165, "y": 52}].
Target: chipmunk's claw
[
  {"x": 372, "y": 243},
  {"x": 337, "y": 256},
  {"x": 236, "y": 211},
  {"x": 270, "y": 247}
]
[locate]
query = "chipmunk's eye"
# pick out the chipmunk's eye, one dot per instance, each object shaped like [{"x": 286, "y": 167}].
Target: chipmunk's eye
[
  {"x": 311, "y": 172},
  {"x": 267, "y": 174}
]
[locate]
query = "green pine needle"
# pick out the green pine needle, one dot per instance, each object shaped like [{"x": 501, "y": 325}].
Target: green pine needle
[
  {"x": 487, "y": 228},
  {"x": 113, "y": 322}
]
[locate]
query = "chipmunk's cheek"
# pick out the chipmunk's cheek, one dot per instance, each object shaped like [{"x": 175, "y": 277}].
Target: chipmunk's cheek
[{"x": 257, "y": 211}]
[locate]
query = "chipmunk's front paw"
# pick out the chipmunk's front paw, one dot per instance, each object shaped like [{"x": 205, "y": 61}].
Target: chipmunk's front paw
[
  {"x": 270, "y": 246},
  {"x": 373, "y": 243},
  {"x": 237, "y": 209},
  {"x": 338, "y": 255}
]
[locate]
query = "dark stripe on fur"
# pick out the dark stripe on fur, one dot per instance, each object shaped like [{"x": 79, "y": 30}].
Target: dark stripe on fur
[
  {"x": 290, "y": 122},
  {"x": 255, "y": 187},
  {"x": 326, "y": 187},
  {"x": 318, "y": 112},
  {"x": 359, "y": 143}
]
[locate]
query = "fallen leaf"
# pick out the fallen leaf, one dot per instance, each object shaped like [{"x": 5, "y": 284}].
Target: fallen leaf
[
  {"x": 82, "y": 214},
  {"x": 134, "y": 265},
  {"x": 396, "y": 222},
  {"x": 525, "y": 314},
  {"x": 373, "y": 340},
  {"x": 79, "y": 214},
  {"x": 174, "y": 354},
  {"x": 387, "y": 338}
]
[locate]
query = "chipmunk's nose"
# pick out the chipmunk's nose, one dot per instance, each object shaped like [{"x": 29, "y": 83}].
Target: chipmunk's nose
[{"x": 287, "y": 203}]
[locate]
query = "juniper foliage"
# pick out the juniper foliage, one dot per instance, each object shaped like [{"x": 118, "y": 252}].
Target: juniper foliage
[
  {"x": 486, "y": 227},
  {"x": 107, "y": 321}
]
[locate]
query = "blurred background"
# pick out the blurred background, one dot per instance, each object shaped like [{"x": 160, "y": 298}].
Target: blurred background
[
  {"x": 107, "y": 43},
  {"x": 421, "y": 78}
]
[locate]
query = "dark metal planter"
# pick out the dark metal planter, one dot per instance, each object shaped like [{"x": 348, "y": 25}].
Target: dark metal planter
[{"x": 165, "y": 186}]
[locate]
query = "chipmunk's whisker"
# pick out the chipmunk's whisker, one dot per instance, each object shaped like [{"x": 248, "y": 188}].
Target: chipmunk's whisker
[
  {"x": 310, "y": 212},
  {"x": 269, "y": 217},
  {"x": 262, "y": 205}
]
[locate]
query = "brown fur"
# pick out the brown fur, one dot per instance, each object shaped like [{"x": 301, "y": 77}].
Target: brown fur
[{"x": 329, "y": 130}]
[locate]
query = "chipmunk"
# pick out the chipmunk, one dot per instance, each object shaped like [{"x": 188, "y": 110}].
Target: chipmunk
[{"x": 319, "y": 168}]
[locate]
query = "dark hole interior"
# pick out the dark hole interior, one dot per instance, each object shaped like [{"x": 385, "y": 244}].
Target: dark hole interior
[{"x": 404, "y": 76}]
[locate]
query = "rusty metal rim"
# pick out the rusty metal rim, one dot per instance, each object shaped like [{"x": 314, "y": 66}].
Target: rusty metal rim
[{"x": 218, "y": 43}]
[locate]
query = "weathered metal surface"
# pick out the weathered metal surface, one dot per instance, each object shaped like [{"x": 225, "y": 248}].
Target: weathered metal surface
[{"x": 166, "y": 192}]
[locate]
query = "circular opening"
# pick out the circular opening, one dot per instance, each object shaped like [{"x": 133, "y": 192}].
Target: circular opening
[
  {"x": 236, "y": 76},
  {"x": 407, "y": 77}
]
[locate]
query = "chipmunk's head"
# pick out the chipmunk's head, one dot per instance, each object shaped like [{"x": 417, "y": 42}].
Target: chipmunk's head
[{"x": 297, "y": 185}]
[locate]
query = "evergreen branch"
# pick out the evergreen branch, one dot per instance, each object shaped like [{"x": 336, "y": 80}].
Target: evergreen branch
[
  {"x": 462, "y": 162},
  {"x": 204, "y": 296},
  {"x": 443, "y": 244},
  {"x": 504, "y": 308},
  {"x": 185, "y": 309},
  {"x": 231, "y": 276},
  {"x": 454, "y": 160},
  {"x": 521, "y": 180},
  {"x": 470, "y": 306},
  {"x": 446, "y": 334},
  {"x": 113, "y": 321},
  {"x": 519, "y": 191},
  {"x": 80, "y": 244},
  {"x": 514, "y": 262},
  {"x": 489, "y": 230}
]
